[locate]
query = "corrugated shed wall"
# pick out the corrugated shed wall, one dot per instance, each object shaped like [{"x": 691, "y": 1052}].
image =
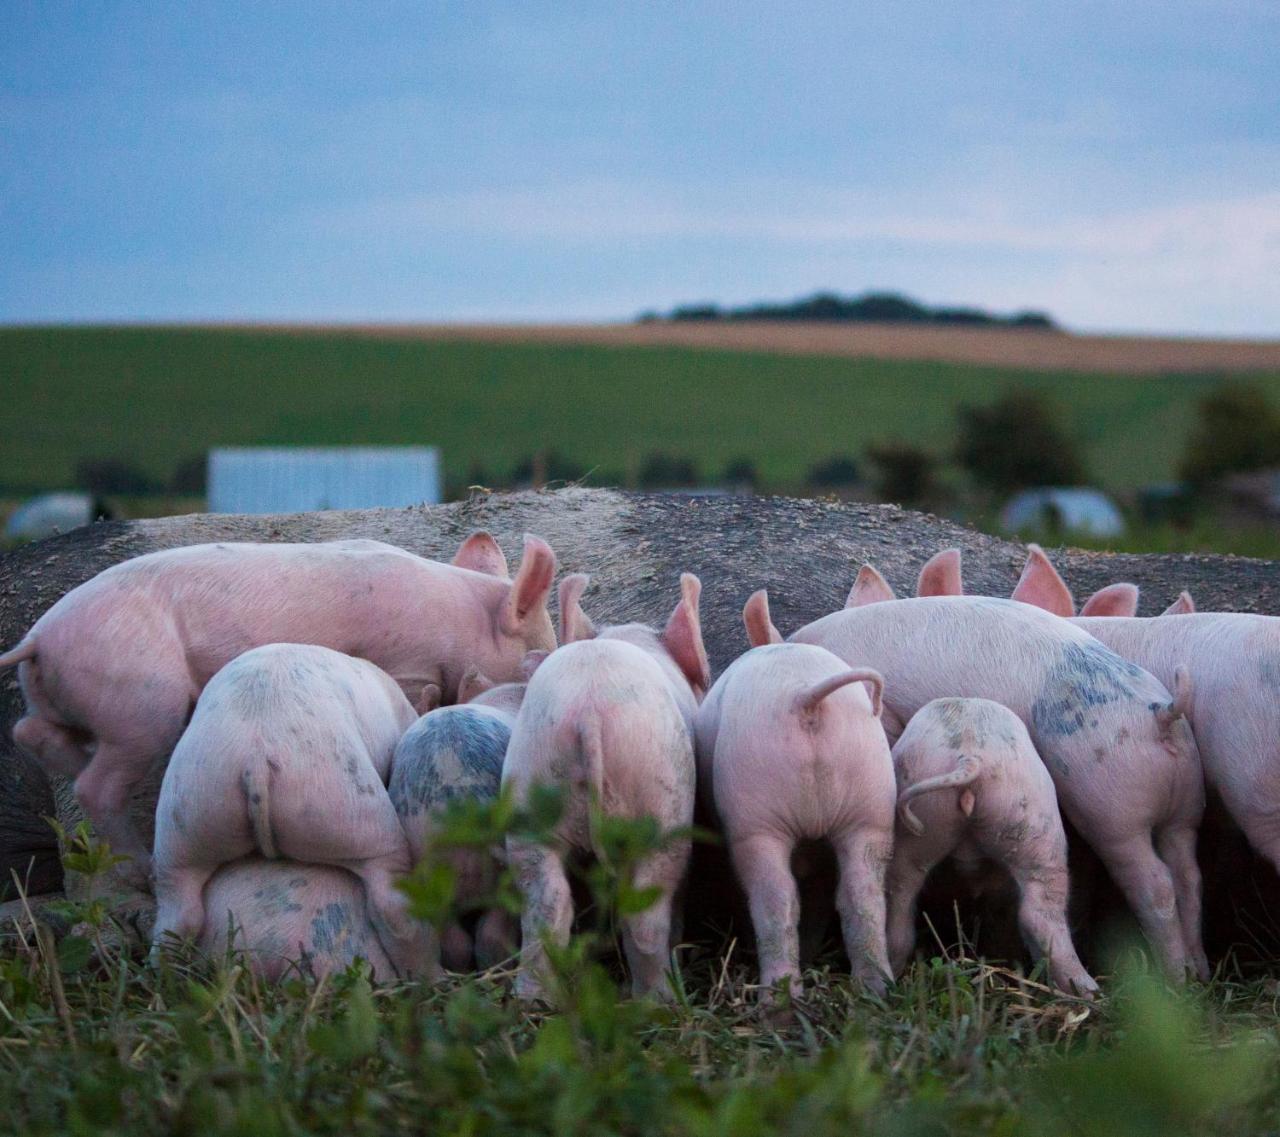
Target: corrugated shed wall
[{"x": 290, "y": 479}]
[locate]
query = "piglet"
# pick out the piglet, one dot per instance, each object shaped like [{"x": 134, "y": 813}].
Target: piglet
[
  {"x": 450, "y": 753},
  {"x": 289, "y": 917},
  {"x": 111, "y": 672},
  {"x": 287, "y": 755},
  {"x": 608, "y": 718},
  {"x": 1122, "y": 757},
  {"x": 791, "y": 749},
  {"x": 972, "y": 786}
]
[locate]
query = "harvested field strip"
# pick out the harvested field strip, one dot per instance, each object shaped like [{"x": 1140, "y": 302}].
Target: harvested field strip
[{"x": 1032, "y": 349}]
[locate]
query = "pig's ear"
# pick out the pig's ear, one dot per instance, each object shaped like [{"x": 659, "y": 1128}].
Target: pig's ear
[
  {"x": 1180, "y": 708},
  {"x": 869, "y": 588},
  {"x": 682, "y": 636},
  {"x": 755, "y": 615},
  {"x": 1183, "y": 606},
  {"x": 575, "y": 624},
  {"x": 1114, "y": 600},
  {"x": 1041, "y": 586},
  {"x": 941, "y": 575},
  {"x": 480, "y": 553},
  {"x": 527, "y": 600},
  {"x": 531, "y": 662},
  {"x": 474, "y": 682}
]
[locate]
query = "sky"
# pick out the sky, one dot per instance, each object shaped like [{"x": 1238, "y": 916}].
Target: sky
[{"x": 1115, "y": 164}]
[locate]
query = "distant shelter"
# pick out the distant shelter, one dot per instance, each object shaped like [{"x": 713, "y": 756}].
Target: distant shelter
[{"x": 296, "y": 479}]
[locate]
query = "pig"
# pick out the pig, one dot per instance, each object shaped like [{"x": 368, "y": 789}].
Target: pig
[
  {"x": 1236, "y": 702},
  {"x": 1116, "y": 743},
  {"x": 287, "y": 755},
  {"x": 454, "y": 752},
  {"x": 290, "y": 918},
  {"x": 790, "y": 749},
  {"x": 111, "y": 672},
  {"x": 968, "y": 767},
  {"x": 609, "y": 718}
]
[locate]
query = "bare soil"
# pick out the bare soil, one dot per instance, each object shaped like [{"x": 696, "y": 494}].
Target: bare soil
[{"x": 1001, "y": 347}]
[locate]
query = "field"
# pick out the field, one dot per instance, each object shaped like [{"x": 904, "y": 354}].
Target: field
[{"x": 158, "y": 396}]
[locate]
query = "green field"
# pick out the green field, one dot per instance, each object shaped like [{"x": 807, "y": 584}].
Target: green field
[{"x": 157, "y": 396}]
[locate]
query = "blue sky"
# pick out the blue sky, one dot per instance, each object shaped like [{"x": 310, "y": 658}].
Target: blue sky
[{"x": 1117, "y": 164}]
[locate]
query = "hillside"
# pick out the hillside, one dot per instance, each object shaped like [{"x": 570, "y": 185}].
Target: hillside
[{"x": 605, "y": 396}]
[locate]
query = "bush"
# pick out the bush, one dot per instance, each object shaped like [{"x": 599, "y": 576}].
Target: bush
[
  {"x": 838, "y": 470},
  {"x": 190, "y": 476},
  {"x": 662, "y": 471},
  {"x": 741, "y": 472},
  {"x": 547, "y": 466},
  {"x": 904, "y": 473},
  {"x": 1017, "y": 442},
  {"x": 112, "y": 476},
  {"x": 1237, "y": 430}
]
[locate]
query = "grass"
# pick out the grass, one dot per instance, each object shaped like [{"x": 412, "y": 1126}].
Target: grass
[
  {"x": 957, "y": 1047},
  {"x": 156, "y": 396},
  {"x": 94, "y": 1041}
]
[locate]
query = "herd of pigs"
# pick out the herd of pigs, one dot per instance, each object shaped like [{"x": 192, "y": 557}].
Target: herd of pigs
[{"x": 321, "y": 705}]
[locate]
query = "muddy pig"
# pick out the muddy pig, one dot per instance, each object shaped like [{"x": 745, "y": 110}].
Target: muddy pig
[
  {"x": 1121, "y": 756},
  {"x": 450, "y": 753},
  {"x": 971, "y": 786},
  {"x": 111, "y": 672},
  {"x": 1235, "y": 704},
  {"x": 286, "y": 756},
  {"x": 290, "y": 918},
  {"x": 790, "y": 749},
  {"x": 608, "y": 718}
]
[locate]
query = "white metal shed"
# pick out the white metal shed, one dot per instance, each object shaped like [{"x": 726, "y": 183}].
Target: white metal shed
[{"x": 294, "y": 479}]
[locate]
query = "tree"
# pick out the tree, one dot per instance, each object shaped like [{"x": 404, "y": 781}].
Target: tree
[
  {"x": 904, "y": 473},
  {"x": 113, "y": 476},
  {"x": 838, "y": 471},
  {"x": 547, "y": 466},
  {"x": 1237, "y": 429},
  {"x": 1017, "y": 442},
  {"x": 664, "y": 471},
  {"x": 741, "y": 472}
]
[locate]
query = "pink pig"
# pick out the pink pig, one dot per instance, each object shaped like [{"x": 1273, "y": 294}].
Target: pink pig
[
  {"x": 290, "y": 918},
  {"x": 287, "y": 756},
  {"x": 972, "y": 786},
  {"x": 790, "y": 749},
  {"x": 110, "y": 673},
  {"x": 609, "y": 719},
  {"x": 1125, "y": 766},
  {"x": 1236, "y": 703}
]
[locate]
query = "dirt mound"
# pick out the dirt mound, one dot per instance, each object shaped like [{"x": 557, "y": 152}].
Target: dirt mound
[{"x": 634, "y": 546}]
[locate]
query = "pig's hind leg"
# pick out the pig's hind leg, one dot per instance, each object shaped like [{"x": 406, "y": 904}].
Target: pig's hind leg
[
  {"x": 763, "y": 865},
  {"x": 180, "y": 909},
  {"x": 1177, "y": 848},
  {"x": 863, "y": 854},
  {"x": 908, "y": 871},
  {"x": 413, "y": 949},
  {"x": 548, "y": 911},
  {"x": 52, "y": 745},
  {"x": 646, "y": 936},
  {"x": 1147, "y": 884},
  {"x": 1039, "y": 868}
]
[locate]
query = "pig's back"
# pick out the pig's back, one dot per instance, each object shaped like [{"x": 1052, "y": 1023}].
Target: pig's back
[
  {"x": 452, "y": 752},
  {"x": 973, "y": 647},
  {"x": 286, "y": 912},
  {"x": 220, "y": 600}
]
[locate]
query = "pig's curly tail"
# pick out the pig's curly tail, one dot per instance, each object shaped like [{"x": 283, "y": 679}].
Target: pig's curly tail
[{"x": 966, "y": 772}]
